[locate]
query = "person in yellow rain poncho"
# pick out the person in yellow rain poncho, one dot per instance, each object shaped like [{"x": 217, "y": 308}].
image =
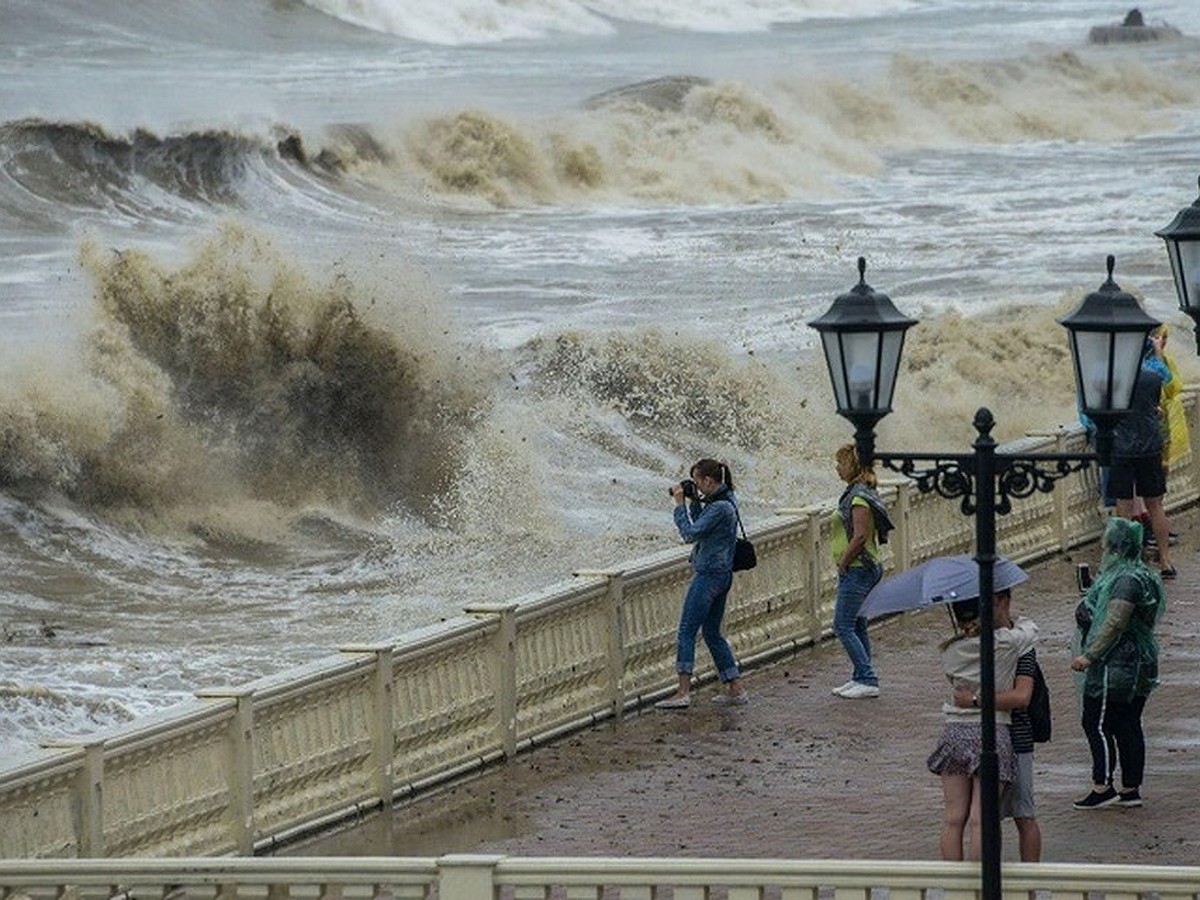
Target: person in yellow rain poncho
[{"x": 1175, "y": 424}]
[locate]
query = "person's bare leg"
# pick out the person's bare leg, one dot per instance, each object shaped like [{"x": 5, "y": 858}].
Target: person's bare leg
[
  {"x": 1029, "y": 839},
  {"x": 683, "y": 691},
  {"x": 1161, "y": 528},
  {"x": 956, "y": 799},
  {"x": 975, "y": 821}
]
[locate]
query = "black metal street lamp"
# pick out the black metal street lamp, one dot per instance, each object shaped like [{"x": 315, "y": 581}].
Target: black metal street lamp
[
  {"x": 1183, "y": 247},
  {"x": 862, "y": 335},
  {"x": 1108, "y": 337}
]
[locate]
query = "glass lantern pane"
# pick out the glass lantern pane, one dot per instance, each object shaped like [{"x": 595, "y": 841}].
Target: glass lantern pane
[
  {"x": 1092, "y": 368},
  {"x": 1128, "y": 349},
  {"x": 862, "y": 357},
  {"x": 889, "y": 363},
  {"x": 1181, "y": 286},
  {"x": 832, "y": 343},
  {"x": 1187, "y": 272}
]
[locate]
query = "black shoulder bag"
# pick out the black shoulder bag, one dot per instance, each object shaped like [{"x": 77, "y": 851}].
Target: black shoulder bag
[
  {"x": 1039, "y": 707},
  {"x": 744, "y": 555}
]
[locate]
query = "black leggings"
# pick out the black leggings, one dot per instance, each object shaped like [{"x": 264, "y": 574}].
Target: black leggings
[{"x": 1114, "y": 731}]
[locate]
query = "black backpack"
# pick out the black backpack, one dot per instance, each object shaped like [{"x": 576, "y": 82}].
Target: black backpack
[{"x": 1039, "y": 707}]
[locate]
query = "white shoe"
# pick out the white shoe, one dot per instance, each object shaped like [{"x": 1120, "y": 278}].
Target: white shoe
[
  {"x": 840, "y": 690},
  {"x": 858, "y": 690},
  {"x": 674, "y": 702}
]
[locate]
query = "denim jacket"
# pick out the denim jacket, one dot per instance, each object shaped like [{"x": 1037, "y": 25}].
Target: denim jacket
[{"x": 711, "y": 527}]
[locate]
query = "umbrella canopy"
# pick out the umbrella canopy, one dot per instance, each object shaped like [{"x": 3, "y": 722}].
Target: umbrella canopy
[{"x": 943, "y": 579}]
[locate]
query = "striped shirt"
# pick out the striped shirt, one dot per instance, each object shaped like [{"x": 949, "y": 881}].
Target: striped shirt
[{"x": 1021, "y": 730}]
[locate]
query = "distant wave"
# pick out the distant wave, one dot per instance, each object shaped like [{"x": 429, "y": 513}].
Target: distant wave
[
  {"x": 674, "y": 139},
  {"x": 487, "y": 21},
  {"x": 80, "y": 165},
  {"x": 680, "y": 139}
]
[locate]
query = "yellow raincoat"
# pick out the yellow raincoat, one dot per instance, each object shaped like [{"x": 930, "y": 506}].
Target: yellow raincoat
[{"x": 1177, "y": 441}]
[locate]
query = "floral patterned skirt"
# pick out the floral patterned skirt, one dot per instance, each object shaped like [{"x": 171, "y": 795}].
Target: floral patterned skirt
[{"x": 961, "y": 747}]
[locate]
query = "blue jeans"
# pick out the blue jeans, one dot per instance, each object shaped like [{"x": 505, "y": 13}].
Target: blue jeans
[
  {"x": 849, "y": 626},
  {"x": 703, "y": 610}
]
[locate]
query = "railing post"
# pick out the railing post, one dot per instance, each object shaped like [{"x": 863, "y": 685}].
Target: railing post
[
  {"x": 382, "y": 717},
  {"x": 1062, "y": 498},
  {"x": 241, "y": 763},
  {"x": 616, "y": 642},
  {"x": 813, "y": 535},
  {"x": 89, "y": 796},
  {"x": 901, "y": 539},
  {"x": 504, "y": 668},
  {"x": 466, "y": 876},
  {"x": 615, "y": 581}
]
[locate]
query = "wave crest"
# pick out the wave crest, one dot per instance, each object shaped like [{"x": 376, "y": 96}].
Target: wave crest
[
  {"x": 670, "y": 384},
  {"x": 236, "y": 377},
  {"x": 80, "y": 165},
  {"x": 487, "y": 21}
]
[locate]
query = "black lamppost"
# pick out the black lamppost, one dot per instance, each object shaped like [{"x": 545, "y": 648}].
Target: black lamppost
[
  {"x": 1183, "y": 247},
  {"x": 862, "y": 334}
]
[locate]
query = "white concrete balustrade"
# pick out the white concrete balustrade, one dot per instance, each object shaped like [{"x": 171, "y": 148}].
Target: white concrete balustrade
[
  {"x": 479, "y": 877},
  {"x": 259, "y": 763}
]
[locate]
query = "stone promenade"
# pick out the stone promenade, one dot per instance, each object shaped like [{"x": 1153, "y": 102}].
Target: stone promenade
[{"x": 799, "y": 773}]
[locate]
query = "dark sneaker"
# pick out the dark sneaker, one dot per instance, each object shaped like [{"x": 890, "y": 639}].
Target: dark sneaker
[
  {"x": 1097, "y": 799},
  {"x": 1129, "y": 798}
]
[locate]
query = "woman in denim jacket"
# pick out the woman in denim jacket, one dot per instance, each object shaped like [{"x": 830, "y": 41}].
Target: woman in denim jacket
[{"x": 709, "y": 524}]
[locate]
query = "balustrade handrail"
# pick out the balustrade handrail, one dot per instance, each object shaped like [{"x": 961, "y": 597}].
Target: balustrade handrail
[{"x": 485, "y": 876}]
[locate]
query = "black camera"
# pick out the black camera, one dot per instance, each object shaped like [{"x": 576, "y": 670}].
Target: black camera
[{"x": 689, "y": 489}]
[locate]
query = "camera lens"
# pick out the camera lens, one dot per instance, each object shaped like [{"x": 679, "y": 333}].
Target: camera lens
[{"x": 687, "y": 486}]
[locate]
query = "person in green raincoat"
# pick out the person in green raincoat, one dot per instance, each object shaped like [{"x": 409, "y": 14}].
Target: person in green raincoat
[{"x": 1118, "y": 656}]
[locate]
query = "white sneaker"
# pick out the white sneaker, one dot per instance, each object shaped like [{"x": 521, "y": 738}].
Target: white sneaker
[
  {"x": 674, "y": 702},
  {"x": 858, "y": 690},
  {"x": 840, "y": 690}
]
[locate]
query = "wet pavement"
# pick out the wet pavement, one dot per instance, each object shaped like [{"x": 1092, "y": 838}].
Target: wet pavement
[{"x": 799, "y": 773}]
